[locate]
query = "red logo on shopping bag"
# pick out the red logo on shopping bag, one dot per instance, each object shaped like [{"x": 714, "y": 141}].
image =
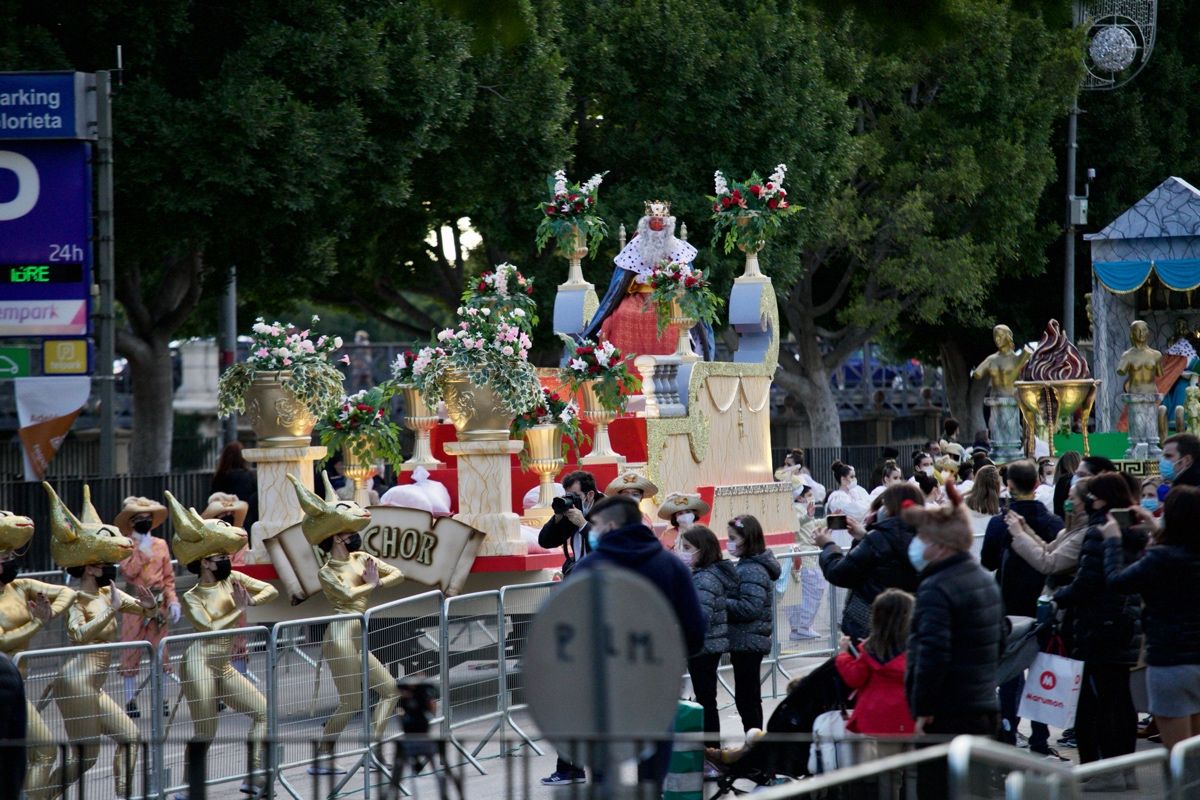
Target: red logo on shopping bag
[{"x": 1048, "y": 681}]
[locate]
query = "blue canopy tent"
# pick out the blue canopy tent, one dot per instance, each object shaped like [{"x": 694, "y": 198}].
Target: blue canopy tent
[{"x": 1145, "y": 265}]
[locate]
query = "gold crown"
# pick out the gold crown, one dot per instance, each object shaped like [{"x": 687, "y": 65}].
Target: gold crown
[{"x": 658, "y": 208}]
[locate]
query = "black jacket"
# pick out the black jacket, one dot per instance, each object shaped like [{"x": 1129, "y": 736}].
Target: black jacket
[
  {"x": 1189, "y": 477},
  {"x": 1167, "y": 578},
  {"x": 879, "y": 561},
  {"x": 1105, "y": 625},
  {"x": 956, "y": 640},
  {"x": 750, "y": 623},
  {"x": 636, "y": 548},
  {"x": 1020, "y": 584},
  {"x": 12, "y": 729},
  {"x": 559, "y": 532},
  {"x": 714, "y": 584}
]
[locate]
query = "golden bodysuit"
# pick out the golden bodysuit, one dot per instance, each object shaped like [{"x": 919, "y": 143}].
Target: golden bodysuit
[
  {"x": 17, "y": 627},
  {"x": 207, "y": 675},
  {"x": 87, "y": 711},
  {"x": 348, "y": 593}
]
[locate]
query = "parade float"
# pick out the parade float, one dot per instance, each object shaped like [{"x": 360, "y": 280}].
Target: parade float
[{"x": 639, "y": 385}]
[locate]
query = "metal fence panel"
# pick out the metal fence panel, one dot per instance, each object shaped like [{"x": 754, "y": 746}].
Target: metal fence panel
[
  {"x": 404, "y": 640},
  {"x": 808, "y": 611},
  {"x": 206, "y": 682},
  {"x": 472, "y": 649},
  {"x": 518, "y": 604},
  {"x": 308, "y": 687},
  {"x": 74, "y": 695}
]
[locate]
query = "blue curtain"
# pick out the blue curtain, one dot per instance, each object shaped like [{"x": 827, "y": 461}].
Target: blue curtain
[{"x": 1123, "y": 277}]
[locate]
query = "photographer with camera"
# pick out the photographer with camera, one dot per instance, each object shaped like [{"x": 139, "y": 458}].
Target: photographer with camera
[{"x": 569, "y": 528}]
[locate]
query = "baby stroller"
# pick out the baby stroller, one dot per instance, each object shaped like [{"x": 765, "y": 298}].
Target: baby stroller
[{"x": 768, "y": 762}]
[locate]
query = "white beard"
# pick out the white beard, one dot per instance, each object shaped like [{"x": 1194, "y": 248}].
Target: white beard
[{"x": 655, "y": 246}]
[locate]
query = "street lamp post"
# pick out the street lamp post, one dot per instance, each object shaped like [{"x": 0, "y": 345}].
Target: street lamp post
[{"x": 1120, "y": 37}]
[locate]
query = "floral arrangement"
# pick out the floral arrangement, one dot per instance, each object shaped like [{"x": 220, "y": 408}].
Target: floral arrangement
[
  {"x": 491, "y": 347},
  {"x": 604, "y": 364},
  {"x": 361, "y": 425},
  {"x": 749, "y": 212},
  {"x": 408, "y": 366},
  {"x": 675, "y": 282},
  {"x": 303, "y": 365},
  {"x": 568, "y": 207},
  {"x": 551, "y": 410},
  {"x": 504, "y": 288}
]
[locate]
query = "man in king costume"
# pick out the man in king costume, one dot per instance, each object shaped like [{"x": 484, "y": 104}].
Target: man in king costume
[{"x": 626, "y": 315}]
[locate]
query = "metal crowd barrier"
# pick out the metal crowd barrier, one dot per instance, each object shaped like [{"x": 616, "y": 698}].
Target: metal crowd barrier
[
  {"x": 518, "y": 605},
  {"x": 78, "y": 690},
  {"x": 207, "y": 683},
  {"x": 472, "y": 649}
]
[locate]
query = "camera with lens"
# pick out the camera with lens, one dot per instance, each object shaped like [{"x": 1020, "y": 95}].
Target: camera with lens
[
  {"x": 418, "y": 704},
  {"x": 570, "y": 500}
]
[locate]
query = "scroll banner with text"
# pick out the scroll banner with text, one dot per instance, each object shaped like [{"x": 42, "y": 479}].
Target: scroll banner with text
[{"x": 46, "y": 409}]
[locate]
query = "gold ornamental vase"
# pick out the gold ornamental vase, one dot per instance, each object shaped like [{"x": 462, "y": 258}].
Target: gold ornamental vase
[
  {"x": 1045, "y": 402},
  {"x": 751, "y": 249},
  {"x": 683, "y": 347},
  {"x": 600, "y": 417},
  {"x": 277, "y": 416},
  {"x": 476, "y": 411},
  {"x": 419, "y": 419},
  {"x": 545, "y": 458},
  {"x": 361, "y": 473},
  {"x": 575, "y": 252}
]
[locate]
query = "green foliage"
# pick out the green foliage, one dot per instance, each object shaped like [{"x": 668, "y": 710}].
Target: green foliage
[
  {"x": 607, "y": 370},
  {"x": 569, "y": 210},
  {"x": 551, "y": 410},
  {"x": 361, "y": 425}
]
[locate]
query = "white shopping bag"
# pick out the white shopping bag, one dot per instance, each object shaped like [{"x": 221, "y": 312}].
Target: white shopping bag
[
  {"x": 833, "y": 747},
  {"x": 1051, "y": 692}
]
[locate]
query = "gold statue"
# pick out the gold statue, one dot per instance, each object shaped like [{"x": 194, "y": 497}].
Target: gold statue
[
  {"x": 1141, "y": 364},
  {"x": 216, "y": 603},
  {"x": 25, "y": 606},
  {"x": 90, "y": 550},
  {"x": 1004, "y": 366},
  {"x": 348, "y": 578},
  {"x": 1191, "y": 404}
]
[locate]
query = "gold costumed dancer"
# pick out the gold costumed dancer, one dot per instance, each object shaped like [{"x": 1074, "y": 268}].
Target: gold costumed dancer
[
  {"x": 216, "y": 603},
  {"x": 25, "y": 606},
  {"x": 90, "y": 550},
  {"x": 347, "y": 578}
]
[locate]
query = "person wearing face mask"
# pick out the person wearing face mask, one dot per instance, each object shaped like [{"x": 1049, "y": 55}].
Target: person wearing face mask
[
  {"x": 148, "y": 567},
  {"x": 889, "y": 476},
  {"x": 1056, "y": 559},
  {"x": 750, "y": 615},
  {"x": 875, "y": 563},
  {"x": 683, "y": 511},
  {"x": 569, "y": 529},
  {"x": 922, "y": 463},
  {"x": 716, "y": 579},
  {"x": 216, "y": 603},
  {"x": 624, "y": 542},
  {"x": 848, "y": 498},
  {"x": 1149, "y": 496},
  {"x": 89, "y": 551},
  {"x": 805, "y": 571},
  {"x": 232, "y": 511},
  {"x": 957, "y": 635},
  {"x": 26, "y": 605},
  {"x": 1180, "y": 461},
  {"x": 1105, "y": 632}
]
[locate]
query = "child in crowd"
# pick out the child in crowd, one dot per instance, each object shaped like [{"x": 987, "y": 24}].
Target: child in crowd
[{"x": 876, "y": 671}]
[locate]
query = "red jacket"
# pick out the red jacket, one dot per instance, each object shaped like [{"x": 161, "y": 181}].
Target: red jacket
[{"x": 881, "y": 707}]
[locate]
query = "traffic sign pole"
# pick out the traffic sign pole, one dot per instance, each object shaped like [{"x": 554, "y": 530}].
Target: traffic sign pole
[{"x": 105, "y": 327}]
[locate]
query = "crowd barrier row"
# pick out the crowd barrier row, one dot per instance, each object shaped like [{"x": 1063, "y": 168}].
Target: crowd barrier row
[{"x": 285, "y": 682}]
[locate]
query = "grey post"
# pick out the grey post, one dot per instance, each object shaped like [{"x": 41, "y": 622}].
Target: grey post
[
  {"x": 228, "y": 328},
  {"x": 105, "y": 324}
]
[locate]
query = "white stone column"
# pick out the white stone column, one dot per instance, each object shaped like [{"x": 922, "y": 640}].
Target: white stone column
[
  {"x": 485, "y": 493},
  {"x": 279, "y": 509}
]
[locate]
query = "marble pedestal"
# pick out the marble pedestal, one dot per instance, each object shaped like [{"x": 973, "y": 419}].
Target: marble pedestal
[
  {"x": 1143, "y": 426},
  {"x": 485, "y": 493},
  {"x": 1004, "y": 428},
  {"x": 279, "y": 509}
]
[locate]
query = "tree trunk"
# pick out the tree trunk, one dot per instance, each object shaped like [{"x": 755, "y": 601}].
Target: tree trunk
[
  {"x": 153, "y": 407},
  {"x": 964, "y": 394},
  {"x": 815, "y": 396}
]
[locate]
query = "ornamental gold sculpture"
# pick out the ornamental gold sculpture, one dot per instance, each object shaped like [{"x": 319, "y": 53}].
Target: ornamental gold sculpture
[{"x": 1141, "y": 365}]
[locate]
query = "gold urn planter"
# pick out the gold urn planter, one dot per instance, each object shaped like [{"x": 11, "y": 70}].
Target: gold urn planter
[
  {"x": 575, "y": 253},
  {"x": 601, "y": 418},
  {"x": 420, "y": 419},
  {"x": 361, "y": 473},
  {"x": 751, "y": 250},
  {"x": 476, "y": 411},
  {"x": 545, "y": 458},
  {"x": 1046, "y": 401},
  {"x": 683, "y": 347},
  {"x": 277, "y": 417}
]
